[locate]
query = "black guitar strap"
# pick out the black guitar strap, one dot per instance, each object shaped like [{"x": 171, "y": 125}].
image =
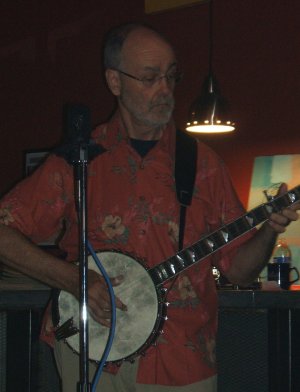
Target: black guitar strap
[{"x": 185, "y": 173}]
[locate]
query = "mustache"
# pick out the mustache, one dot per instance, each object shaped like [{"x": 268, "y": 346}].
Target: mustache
[{"x": 163, "y": 101}]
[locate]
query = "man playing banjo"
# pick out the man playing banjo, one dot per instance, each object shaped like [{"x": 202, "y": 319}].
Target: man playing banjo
[{"x": 133, "y": 210}]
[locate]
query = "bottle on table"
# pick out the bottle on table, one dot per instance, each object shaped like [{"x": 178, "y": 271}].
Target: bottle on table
[
  {"x": 280, "y": 267},
  {"x": 282, "y": 252}
]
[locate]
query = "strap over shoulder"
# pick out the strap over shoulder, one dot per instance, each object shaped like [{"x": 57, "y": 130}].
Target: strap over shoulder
[{"x": 185, "y": 166}]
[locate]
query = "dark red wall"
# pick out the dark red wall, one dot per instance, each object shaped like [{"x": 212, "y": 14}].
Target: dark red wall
[{"x": 50, "y": 55}]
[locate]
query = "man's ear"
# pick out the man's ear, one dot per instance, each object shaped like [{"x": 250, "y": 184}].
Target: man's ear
[{"x": 113, "y": 81}]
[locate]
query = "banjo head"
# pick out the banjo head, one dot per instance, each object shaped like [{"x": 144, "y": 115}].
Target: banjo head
[{"x": 136, "y": 328}]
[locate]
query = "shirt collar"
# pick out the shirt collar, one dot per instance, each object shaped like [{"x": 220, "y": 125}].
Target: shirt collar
[{"x": 113, "y": 133}]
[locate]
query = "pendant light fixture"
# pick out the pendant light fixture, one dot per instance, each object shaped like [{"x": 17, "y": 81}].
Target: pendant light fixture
[{"x": 209, "y": 112}]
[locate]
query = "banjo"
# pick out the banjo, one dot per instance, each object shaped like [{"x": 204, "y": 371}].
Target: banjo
[{"x": 142, "y": 289}]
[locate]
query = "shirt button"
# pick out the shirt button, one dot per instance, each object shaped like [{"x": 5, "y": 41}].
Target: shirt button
[{"x": 142, "y": 232}]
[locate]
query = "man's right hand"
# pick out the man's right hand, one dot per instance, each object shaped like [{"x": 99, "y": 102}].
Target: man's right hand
[{"x": 99, "y": 298}]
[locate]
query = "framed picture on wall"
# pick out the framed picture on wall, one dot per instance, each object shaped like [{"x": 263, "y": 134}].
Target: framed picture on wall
[
  {"x": 33, "y": 158},
  {"x": 268, "y": 173}
]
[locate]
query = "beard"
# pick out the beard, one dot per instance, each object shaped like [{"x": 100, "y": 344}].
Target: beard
[{"x": 152, "y": 113}]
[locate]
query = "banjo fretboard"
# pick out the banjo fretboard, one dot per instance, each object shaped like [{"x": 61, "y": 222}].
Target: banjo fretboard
[{"x": 216, "y": 240}]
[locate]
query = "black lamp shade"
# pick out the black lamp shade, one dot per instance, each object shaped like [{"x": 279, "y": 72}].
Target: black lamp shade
[{"x": 209, "y": 113}]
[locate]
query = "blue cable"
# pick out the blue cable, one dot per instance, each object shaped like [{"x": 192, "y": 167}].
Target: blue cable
[{"x": 113, "y": 319}]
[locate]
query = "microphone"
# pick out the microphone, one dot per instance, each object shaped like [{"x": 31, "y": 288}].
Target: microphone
[
  {"x": 77, "y": 118},
  {"x": 77, "y": 124}
]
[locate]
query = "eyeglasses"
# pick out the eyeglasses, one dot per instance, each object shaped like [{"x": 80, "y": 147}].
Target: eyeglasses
[{"x": 173, "y": 76}]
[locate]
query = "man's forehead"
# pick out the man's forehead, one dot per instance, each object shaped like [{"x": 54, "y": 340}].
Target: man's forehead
[{"x": 145, "y": 44}]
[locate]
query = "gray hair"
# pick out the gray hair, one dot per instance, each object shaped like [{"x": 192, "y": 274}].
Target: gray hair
[{"x": 114, "y": 42}]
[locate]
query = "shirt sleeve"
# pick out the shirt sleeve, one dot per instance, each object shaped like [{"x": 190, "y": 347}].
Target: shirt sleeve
[
  {"x": 231, "y": 210},
  {"x": 37, "y": 205},
  {"x": 222, "y": 204}
]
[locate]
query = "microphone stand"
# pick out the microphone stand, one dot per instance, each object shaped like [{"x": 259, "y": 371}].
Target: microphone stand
[
  {"x": 80, "y": 177},
  {"x": 78, "y": 150}
]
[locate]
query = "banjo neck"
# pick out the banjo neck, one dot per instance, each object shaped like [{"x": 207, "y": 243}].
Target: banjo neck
[{"x": 216, "y": 240}]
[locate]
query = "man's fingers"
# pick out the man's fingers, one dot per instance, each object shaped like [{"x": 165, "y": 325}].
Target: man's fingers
[{"x": 99, "y": 299}]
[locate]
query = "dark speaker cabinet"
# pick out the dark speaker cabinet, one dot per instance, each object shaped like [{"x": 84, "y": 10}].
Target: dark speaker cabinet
[
  {"x": 258, "y": 346},
  {"x": 242, "y": 350}
]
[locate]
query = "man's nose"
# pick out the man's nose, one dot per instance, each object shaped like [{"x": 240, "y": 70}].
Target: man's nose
[{"x": 165, "y": 83}]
